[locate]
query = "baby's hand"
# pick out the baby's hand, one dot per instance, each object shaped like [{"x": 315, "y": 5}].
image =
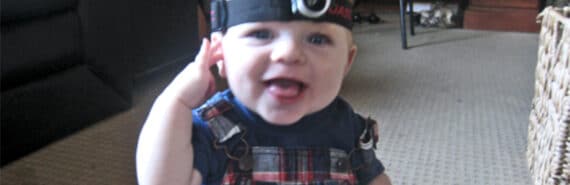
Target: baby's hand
[{"x": 195, "y": 83}]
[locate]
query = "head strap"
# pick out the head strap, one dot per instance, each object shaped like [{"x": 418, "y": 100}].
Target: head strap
[{"x": 227, "y": 13}]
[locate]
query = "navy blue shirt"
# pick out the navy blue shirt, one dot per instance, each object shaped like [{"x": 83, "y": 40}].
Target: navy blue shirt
[{"x": 335, "y": 126}]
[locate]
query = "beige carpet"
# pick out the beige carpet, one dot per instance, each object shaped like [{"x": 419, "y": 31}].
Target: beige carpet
[{"x": 453, "y": 111}]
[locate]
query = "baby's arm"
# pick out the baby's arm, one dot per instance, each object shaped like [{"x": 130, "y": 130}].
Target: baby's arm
[
  {"x": 164, "y": 151},
  {"x": 381, "y": 179}
]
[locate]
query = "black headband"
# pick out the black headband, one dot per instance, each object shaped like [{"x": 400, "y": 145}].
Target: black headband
[{"x": 227, "y": 13}]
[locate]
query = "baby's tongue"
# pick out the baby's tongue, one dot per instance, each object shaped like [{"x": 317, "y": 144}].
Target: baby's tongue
[{"x": 284, "y": 88}]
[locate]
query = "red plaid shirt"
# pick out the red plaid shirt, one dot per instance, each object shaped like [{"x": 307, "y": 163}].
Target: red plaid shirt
[{"x": 275, "y": 165}]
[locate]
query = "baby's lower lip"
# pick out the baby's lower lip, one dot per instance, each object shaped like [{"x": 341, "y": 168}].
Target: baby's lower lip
[{"x": 287, "y": 99}]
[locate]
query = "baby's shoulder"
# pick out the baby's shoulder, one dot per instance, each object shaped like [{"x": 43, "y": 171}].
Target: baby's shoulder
[{"x": 363, "y": 126}]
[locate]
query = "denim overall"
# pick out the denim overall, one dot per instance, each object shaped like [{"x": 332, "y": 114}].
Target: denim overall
[{"x": 270, "y": 165}]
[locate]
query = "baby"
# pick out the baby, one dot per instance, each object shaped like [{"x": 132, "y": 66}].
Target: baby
[{"x": 281, "y": 121}]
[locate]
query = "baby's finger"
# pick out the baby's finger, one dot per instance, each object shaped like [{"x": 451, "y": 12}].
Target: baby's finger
[
  {"x": 198, "y": 62},
  {"x": 203, "y": 56},
  {"x": 211, "y": 87},
  {"x": 215, "y": 53}
]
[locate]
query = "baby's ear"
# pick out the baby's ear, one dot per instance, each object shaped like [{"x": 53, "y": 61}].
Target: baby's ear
[
  {"x": 351, "y": 57},
  {"x": 217, "y": 52}
]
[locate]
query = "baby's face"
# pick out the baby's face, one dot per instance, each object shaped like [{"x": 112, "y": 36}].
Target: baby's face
[{"x": 286, "y": 70}]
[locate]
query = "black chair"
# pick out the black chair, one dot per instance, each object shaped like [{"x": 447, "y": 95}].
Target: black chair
[
  {"x": 66, "y": 64},
  {"x": 52, "y": 83}
]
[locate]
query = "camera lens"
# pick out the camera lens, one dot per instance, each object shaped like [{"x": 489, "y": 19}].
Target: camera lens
[
  {"x": 311, "y": 8},
  {"x": 315, "y": 5}
]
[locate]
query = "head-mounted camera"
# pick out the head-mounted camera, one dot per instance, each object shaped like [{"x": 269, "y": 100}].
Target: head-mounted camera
[
  {"x": 227, "y": 13},
  {"x": 310, "y": 8}
]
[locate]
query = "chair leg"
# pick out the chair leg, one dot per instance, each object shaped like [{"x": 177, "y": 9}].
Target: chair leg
[
  {"x": 403, "y": 24},
  {"x": 411, "y": 15}
]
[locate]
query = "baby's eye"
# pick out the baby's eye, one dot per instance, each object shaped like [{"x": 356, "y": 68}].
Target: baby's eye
[
  {"x": 260, "y": 34},
  {"x": 319, "y": 39}
]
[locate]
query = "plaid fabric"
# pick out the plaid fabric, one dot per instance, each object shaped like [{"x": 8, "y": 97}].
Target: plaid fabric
[{"x": 275, "y": 165}]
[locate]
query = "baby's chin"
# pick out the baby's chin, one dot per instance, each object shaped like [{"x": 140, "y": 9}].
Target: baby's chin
[{"x": 281, "y": 119}]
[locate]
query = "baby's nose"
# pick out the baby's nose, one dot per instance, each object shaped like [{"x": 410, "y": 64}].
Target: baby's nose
[{"x": 288, "y": 51}]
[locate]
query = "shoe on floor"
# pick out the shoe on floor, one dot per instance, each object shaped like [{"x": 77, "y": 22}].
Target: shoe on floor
[{"x": 374, "y": 19}]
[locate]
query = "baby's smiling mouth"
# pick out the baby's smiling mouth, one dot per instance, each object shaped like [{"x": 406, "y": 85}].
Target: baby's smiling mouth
[{"x": 285, "y": 87}]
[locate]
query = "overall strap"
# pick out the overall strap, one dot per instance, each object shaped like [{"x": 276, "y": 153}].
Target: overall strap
[
  {"x": 363, "y": 156},
  {"x": 369, "y": 136},
  {"x": 213, "y": 114},
  {"x": 229, "y": 134}
]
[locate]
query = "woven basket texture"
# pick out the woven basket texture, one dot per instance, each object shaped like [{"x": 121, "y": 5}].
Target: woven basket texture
[{"x": 548, "y": 151}]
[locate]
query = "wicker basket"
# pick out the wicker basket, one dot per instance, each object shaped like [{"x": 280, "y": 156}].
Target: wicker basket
[{"x": 549, "y": 129}]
